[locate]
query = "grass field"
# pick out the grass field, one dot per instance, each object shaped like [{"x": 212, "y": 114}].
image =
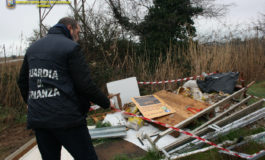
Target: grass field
[{"x": 258, "y": 89}]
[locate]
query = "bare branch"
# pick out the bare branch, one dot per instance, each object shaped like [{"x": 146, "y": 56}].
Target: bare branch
[
  {"x": 123, "y": 20},
  {"x": 211, "y": 9},
  {"x": 259, "y": 25},
  {"x": 45, "y": 15}
]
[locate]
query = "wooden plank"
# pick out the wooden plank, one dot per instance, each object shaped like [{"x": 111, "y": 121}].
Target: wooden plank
[
  {"x": 179, "y": 103},
  {"x": 222, "y": 114},
  {"x": 249, "y": 109},
  {"x": 22, "y": 150},
  {"x": 207, "y": 110}
]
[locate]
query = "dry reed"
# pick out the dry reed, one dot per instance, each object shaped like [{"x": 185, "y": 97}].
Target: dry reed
[{"x": 247, "y": 57}]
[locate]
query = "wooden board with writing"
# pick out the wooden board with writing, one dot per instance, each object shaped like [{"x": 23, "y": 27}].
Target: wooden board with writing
[{"x": 152, "y": 106}]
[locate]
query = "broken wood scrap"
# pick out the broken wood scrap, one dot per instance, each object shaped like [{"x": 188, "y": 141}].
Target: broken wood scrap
[{"x": 99, "y": 116}]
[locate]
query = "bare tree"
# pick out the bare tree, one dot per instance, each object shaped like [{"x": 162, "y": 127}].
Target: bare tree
[
  {"x": 135, "y": 10},
  {"x": 259, "y": 25},
  {"x": 212, "y": 9},
  {"x": 131, "y": 13}
]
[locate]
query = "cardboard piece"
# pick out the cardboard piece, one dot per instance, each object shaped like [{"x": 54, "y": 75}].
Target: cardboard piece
[
  {"x": 126, "y": 87},
  {"x": 151, "y": 106}
]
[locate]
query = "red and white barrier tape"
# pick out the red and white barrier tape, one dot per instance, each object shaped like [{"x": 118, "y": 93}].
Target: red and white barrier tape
[
  {"x": 191, "y": 135},
  {"x": 255, "y": 154},
  {"x": 177, "y": 80}
]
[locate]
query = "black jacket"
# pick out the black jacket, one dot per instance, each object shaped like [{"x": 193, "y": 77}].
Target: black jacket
[{"x": 55, "y": 82}]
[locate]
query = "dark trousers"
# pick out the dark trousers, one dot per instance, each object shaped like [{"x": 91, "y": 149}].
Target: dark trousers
[{"x": 76, "y": 141}]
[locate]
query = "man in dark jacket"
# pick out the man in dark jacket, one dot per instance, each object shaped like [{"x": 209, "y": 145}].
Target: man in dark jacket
[{"x": 55, "y": 83}]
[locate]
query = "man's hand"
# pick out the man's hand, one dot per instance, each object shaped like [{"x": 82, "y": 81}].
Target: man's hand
[{"x": 112, "y": 104}]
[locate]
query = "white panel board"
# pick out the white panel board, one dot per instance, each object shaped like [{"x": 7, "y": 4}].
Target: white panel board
[
  {"x": 118, "y": 119},
  {"x": 127, "y": 88}
]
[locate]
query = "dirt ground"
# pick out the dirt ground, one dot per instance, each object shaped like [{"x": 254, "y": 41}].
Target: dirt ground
[
  {"x": 17, "y": 135},
  {"x": 12, "y": 138},
  {"x": 110, "y": 150}
]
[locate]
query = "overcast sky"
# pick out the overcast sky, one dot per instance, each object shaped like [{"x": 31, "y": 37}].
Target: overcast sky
[{"x": 24, "y": 18}]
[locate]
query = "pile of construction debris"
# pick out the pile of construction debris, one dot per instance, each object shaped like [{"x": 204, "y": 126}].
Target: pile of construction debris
[
  {"x": 206, "y": 108},
  {"x": 177, "y": 123}
]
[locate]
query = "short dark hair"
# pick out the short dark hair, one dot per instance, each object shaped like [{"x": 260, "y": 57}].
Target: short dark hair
[{"x": 68, "y": 21}]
